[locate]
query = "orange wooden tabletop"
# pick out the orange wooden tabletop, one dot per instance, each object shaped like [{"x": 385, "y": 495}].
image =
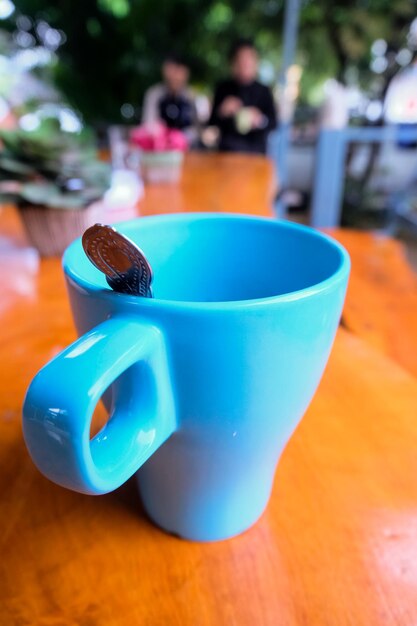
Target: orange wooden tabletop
[
  {"x": 338, "y": 543},
  {"x": 237, "y": 183},
  {"x": 381, "y": 305}
]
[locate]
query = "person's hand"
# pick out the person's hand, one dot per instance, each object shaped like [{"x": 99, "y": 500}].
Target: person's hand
[
  {"x": 257, "y": 117},
  {"x": 230, "y": 106}
]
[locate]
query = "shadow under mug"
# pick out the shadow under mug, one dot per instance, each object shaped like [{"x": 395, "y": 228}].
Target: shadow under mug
[{"x": 204, "y": 383}]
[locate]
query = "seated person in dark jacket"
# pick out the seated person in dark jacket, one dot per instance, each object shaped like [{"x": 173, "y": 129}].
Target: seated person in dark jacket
[
  {"x": 243, "y": 108},
  {"x": 172, "y": 102}
]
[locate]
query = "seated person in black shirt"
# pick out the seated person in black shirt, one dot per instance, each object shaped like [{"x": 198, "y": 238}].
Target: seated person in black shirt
[
  {"x": 172, "y": 101},
  {"x": 243, "y": 108}
]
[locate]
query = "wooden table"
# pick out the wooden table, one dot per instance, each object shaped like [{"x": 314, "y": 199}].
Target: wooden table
[
  {"x": 338, "y": 543},
  {"x": 381, "y": 306},
  {"x": 235, "y": 183}
]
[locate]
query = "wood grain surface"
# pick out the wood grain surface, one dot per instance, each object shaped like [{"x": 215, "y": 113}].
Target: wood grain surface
[
  {"x": 381, "y": 305},
  {"x": 337, "y": 545},
  {"x": 236, "y": 183}
]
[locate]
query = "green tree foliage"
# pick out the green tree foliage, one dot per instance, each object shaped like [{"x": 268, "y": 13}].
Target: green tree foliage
[
  {"x": 114, "y": 48},
  {"x": 341, "y": 34}
]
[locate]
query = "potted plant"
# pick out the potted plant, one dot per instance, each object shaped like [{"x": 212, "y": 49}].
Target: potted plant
[
  {"x": 55, "y": 180},
  {"x": 162, "y": 152}
]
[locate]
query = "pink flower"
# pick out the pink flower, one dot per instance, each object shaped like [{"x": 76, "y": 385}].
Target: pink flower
[
  {"x": 158, "y": 137},
  {"x": 141, "y": 137},
  {"x": 177, "y": 140}
]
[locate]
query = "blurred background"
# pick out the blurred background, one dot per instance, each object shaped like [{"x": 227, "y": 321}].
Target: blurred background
[{"x": 343, "y": 76}]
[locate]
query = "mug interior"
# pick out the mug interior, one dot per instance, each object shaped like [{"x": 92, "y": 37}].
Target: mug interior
[{"x": 220, "y": 258}]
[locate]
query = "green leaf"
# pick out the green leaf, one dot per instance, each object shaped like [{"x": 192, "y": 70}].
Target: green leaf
[
  {"x": 46, "y": 160},
  {"x": 13, "y": 165},
  {"x": 47, "y": 194},
  {"x": 50, "y": 195}
]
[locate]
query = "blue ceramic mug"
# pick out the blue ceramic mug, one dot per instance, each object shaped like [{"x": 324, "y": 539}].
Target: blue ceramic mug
[{"x": 204, "y": 383}]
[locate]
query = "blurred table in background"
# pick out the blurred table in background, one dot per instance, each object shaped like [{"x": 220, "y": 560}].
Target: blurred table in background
[
  {"x": 236, "y": 183},
  {"x": 338, "y": 542}
]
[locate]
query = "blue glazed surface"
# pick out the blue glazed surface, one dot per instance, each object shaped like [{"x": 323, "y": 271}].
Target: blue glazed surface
[{"x": 211, "y": 376}]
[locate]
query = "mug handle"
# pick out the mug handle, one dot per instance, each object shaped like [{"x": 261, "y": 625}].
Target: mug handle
[{"x": 60, "y": 402}]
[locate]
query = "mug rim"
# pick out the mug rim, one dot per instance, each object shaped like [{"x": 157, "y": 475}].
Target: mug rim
[{"x": 338, "y": 276}]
